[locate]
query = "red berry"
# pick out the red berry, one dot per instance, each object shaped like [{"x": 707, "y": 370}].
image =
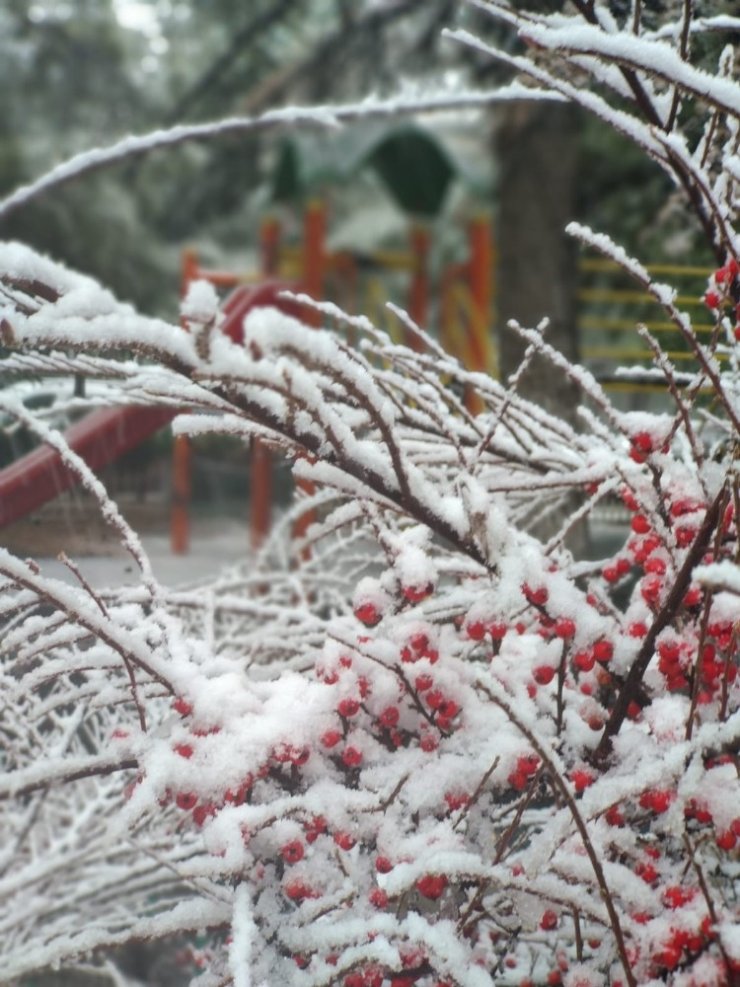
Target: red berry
[
  {"x": 352, "y": 757},
  {"x": 182, "y": 706},
  {"x": 529, "y": 764},
  {"x": 423, "y": 682},
  {"x": 565, "y": 627},
  {"x": 331, "y": 738},
  {"x": 603, "y": 650},
  {"x": 456, "y": 800},
  {"x": 655, "y": 565},
  {"x": 656, "y": 799},
  {"x": 184, "y": 750},
  {"x": 584, "y": 661},
  {"x": 314, "y": 828},
  {"x": 368, "y": 614},
  {"x": 416, "y": 593},
  {"x": 518, "y": 780},
  {"x": 549, "y": 920},
  {"x": 685, "y": 535},
  {"x": 544, "y": 674},
  {"x": 378, "y": 898},
  {"x": 642, "y": 441},
  {"x": 298, "y": 890},
  {"x": 348, "y": 707},
  {"x": 436, "y": 699},
  {"x": 447, "y": 711},
  {"x": 344, "y": 840},
  {"x": 676, "y": 896},
  {"x": 628, "y": 498},
  {"x": 669, "y": 956},
  {"x": 726, "y": 840},
  {"x": 651, "y": 588},
  {"x": 202, "y": 812},
  {"x": 419, "y": 641},
  {"x": 581, "y": 779},
  {"x": 475, "y": 630},
  {"x": 389, "y": 716},
  {"x": 431, "y": 885},
  {"x": 538, "y": 596},
  {"x": 640, "y": 524},
  {"x": 646, "y": 871},
  {"x": 383, "y": 865},
  {"x": 186, "y": 801},
  {"x": 292, "y": 852}
]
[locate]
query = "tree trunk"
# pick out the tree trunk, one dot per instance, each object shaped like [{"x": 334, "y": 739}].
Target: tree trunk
[{"x": 537, "y": 149}]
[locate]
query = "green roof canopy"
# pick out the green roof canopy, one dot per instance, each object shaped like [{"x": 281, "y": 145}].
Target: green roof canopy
[{"x": 411, "y": 162}]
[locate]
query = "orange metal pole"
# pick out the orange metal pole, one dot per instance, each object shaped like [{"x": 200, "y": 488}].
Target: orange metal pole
[
  {"x": 314, "y": 273},
  {"x": 270, "y": 246},
  {"x": 182, "y": 453},
  {"x": 481, "y": 295},
  {"x": 181, "y": 490},
  {"x": 260, "y": 493},
  {"x": 189, "y": 268},
  {"x": 314, "y": 255},
  {"x": 419, "y": 241},
  {"x": 260, "y": 467}
]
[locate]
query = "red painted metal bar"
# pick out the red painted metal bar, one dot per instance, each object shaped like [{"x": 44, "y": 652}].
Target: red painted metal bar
[
  {"x": 99, "y": 439},
  {"x": 105, "y": 435}
]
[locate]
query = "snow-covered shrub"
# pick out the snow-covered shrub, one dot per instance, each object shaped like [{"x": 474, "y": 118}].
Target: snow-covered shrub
[{"x": 422, "y": 746}]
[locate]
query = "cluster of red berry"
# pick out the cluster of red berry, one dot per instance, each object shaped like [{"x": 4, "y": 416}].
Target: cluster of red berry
[{"x": 722, "y": 295}]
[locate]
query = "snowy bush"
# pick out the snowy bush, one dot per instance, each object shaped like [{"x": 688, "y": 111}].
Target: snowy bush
[{"x": 423, "y": 745}]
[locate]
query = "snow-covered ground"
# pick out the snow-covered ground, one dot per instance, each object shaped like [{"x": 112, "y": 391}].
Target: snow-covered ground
[{"x": 213, "y": 546}]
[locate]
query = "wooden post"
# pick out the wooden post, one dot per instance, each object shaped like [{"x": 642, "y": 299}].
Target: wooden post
[
  {"x": 418, "y": 304},
  {"x": 480, "y": 280}
]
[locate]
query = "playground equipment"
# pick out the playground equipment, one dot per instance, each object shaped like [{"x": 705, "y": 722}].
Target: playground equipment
[
  {"x": 456, "y": 303},
  {"x": 609, "y": 308},
  {"x": 463, "y": 305},
  {"x": 416, "y": 170},
  {"x": 100, "y": 438},
  {"x": 105, "y": 435}
]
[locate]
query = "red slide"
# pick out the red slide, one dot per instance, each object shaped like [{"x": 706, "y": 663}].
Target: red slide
[{"x": 103, "y": 436}]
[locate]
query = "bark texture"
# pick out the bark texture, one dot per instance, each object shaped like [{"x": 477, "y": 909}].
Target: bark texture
[{"x": 537, "y": 148}]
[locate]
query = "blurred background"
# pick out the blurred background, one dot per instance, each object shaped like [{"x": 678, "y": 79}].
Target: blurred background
[{"x": 401, "y": 202}]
